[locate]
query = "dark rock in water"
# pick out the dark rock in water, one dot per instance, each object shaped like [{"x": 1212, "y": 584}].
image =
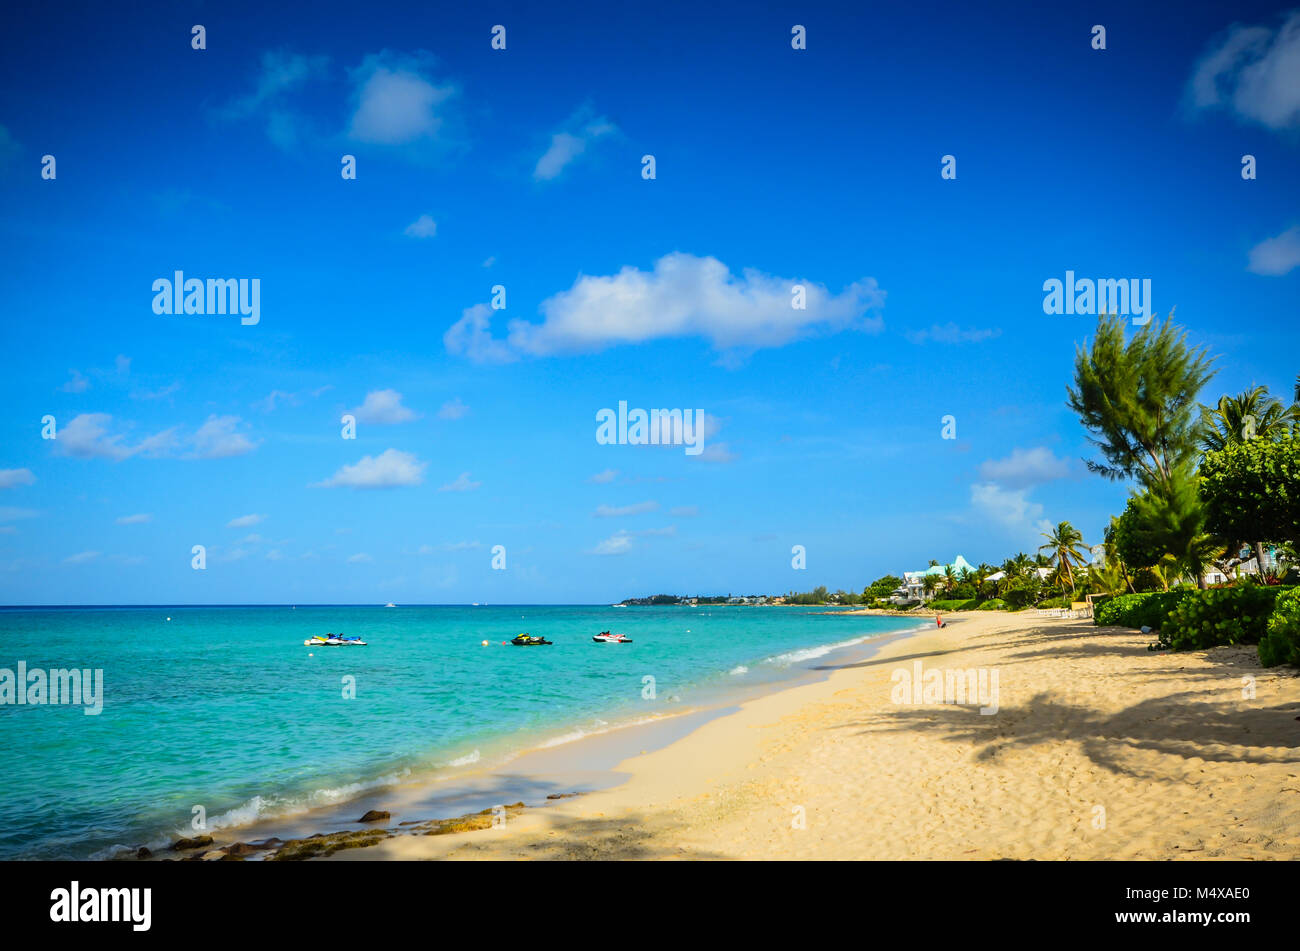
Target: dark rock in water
[
  {"x": 243, "y": 848},
  {"x": 270, "y": 843},
  {"x": 562, "y": 795},
  {"x": 143, "y": 853},
  {"x": 182, "y": 845},
  {"x": 374, "y": 815}
]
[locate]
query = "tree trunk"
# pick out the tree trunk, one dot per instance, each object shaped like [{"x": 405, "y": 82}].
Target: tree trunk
[{"x": 1259, "y": 559}]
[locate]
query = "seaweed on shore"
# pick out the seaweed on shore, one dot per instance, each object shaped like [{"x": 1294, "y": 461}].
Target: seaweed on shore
[
  {"x": 473, "y": 822},
  {"x": 321, "y": 845}
]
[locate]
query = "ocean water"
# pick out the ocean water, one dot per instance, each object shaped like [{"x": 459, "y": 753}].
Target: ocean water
[{"x": 225, "y": 708}]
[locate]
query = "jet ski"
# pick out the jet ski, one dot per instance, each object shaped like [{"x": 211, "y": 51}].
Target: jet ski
[
  {"x": 527, "y": 640},
  {"x": 604, "y": 637},
  {"x": 333, "y": 640}
]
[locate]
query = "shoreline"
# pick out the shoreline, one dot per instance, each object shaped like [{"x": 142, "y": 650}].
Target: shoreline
[
  {"x": 563, "y": 765},
  {"x": 1099, "y": 749}
]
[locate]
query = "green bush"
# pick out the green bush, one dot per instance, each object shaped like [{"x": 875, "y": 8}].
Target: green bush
[
  {"x": 1017, "y": 598},
  {"x": 954, "y": 604},
  {"x": 1281, "y": 643},
  {"x": 1138, "y": 610},
  {"x": 994, "y": 604},
  {"x": 1236, "y": 615},
  {"x": 1063, "y": 602}
]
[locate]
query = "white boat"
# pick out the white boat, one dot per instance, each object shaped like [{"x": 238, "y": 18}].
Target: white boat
[
  {"x": 604, "y": 637},
  {"x": 390, "y": 604}
]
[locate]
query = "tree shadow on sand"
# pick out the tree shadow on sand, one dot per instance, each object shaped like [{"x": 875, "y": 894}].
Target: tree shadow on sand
[
  {"x": 567, "y": 838},
  {"x": 1186, "y": 725}
]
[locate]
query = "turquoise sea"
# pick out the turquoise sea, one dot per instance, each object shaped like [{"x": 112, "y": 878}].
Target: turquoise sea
[{"x": 224, "y": 707}]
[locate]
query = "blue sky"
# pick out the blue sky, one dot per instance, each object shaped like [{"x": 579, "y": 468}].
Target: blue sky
[{"x": 523, "y": 168}]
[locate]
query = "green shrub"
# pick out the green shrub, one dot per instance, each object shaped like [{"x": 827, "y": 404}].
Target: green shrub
[
  {"x": 1018, "y": 598},
  {"x": 1236, "y": 615},
  {"x": 954, "y": 604},
  {"x": 1281, "y": 643},
  {"x": 1062, "y": 602},
  {"x": 1138, "y": 610},
  {"x": 993, "y": 604}
]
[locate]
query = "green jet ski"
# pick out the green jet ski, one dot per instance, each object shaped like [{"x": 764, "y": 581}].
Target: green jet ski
[{"x": 527, "y": 640}]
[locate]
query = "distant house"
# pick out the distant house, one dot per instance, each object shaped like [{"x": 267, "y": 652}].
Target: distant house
[{"x": 914, "y": 582}]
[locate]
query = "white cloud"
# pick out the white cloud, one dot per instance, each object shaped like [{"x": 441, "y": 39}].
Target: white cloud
[
  {"x": 267, "y": 403},
  {"x": 389, "y": 469},
  {"x": 684, "y": 511},
  {"x": 453, "y": 409},
  {"x": 81, "y": 557},
  {"x": 158, "y": 394},
  {"x": 359, "y": 558},
  {"x": 1011, "y": 508},
  {"x": 461, "y": 484},
  {"x": 608, "y": 475},
  {"x": 684, "y": 296},
  {"x": 245, "y": 521},
  {"x": 717, "y": 452},
  {"x": 1253, "y": 71},
  {"x": 279, "y": 72},
  {"x": 449, "y": 546},
  {"x": 9, "y": 513},
  {"x": 638, "y": 508},
  {"x": 1025, "y": 467},
  {"x": 579, "y": 131},
  {"x": 471, "y": 336},
  {"x": 383, "y": 407},
  {"x": 1276, "y": 256},
  {"x": 396, "y": 100},
  {"x": 951, "y": 333},
  {"x": 279, "y": 75},
  {"x": 139, "y": 519},
  {"x": 218, "y": 438},
  {"x": 87, "y": 436},
  {"x": 10, "y": 478},
  {"x": 78, "y": 383},
  {"x": 617, "y": 544},
  {"x": 422, "y": 227}
]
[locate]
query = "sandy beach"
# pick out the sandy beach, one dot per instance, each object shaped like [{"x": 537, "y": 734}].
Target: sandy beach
[{"x": 1098, "y": 749}]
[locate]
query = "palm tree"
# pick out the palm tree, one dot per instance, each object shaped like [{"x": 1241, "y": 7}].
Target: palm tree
[
  {"x": 933, "y": 584},
  {"x": 1249, "y": 415},
  {"x": 1063, "y": 544},
  {"x": 1109, "y": 580}
]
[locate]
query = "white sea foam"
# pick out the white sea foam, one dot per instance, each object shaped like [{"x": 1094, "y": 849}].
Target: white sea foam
[
  {"x": 468, "y": 759},
  {"x": 739, "y": 670},
  {"x": 811, "y": 653}
]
